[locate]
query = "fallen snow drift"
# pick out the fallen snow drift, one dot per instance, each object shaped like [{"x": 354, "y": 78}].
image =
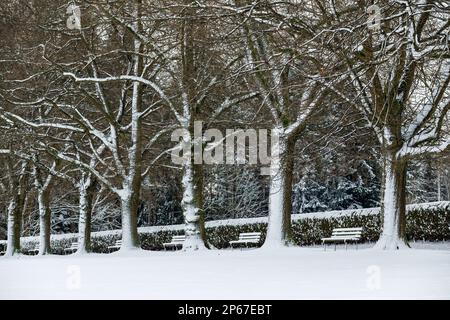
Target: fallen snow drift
[{"x": 288, "y": 273}]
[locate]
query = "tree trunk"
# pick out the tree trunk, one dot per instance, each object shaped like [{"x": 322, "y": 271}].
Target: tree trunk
[
  {"x": 439, "y": 183},
  {"x": 280, "y": 198},
  {"x": 44, "y": 221},
  {"x": 130, "y": 235},
  {"x": 393, "y": 209},
  {"x": 193, "y": 207},
  {"x": 15, "y": 210},
  {"x": 192, "y": 180},
  {"x": 132, "y": 186},
  {"x": 86, "y": 187},
  {"x": 16, "y": 205}
]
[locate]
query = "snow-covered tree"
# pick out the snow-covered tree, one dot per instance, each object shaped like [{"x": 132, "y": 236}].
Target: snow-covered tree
[
  {"x": 99, "y": 117},
  {"x": 278, "y": 61},
  {"x": 187, "y": 72},
  {"x": 398, "y": 68},
  {"x": 43, "y": 182},
  {"x": 15, "y": 187}
]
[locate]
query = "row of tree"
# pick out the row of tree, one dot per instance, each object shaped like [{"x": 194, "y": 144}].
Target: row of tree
[{"x": 96, "y": 105}]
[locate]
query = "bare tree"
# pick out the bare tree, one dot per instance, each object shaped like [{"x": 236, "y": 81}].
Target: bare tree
[
  {"x": 398, "y": 72},
  {"x": 277, "y": 61},
  {"x": 16, "y": 189}
]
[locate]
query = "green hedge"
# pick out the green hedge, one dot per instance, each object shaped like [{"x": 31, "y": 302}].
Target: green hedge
[{"x": 429, "y": 223}]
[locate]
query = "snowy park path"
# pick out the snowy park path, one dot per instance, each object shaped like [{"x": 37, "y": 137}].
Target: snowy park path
[{"x": 292, "y": 273}]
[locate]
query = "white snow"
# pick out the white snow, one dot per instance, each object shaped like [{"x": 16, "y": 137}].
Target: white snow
[{"x": 290, "y": 273}]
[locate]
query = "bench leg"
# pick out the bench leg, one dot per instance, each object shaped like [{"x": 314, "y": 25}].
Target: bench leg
[
  {"x": 335, "y": 244},
  {"x": 345, "y": 242}
]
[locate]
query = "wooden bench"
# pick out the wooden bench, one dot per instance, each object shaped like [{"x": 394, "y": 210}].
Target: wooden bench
[
  {"x": 344, "y": 235},
  {"x": 116, "y": 245},
  {"x": 246, "y": 238},
  {"x": 73, "y": 247},
  {"x": 177, "y": 241}
]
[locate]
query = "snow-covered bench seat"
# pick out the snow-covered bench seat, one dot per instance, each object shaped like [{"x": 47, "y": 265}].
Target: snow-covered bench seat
[
  {"x": 116, "y": 246},
  {"x": 246, "y": 238},
  {"x": 344, "y": 235},
  {"x": 177, "y": 241},
  {"x": 73, "y": 247}
]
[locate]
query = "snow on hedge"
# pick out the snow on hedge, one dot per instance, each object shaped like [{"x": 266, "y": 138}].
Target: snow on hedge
[
  {"x": 247, "y": 221},
  {"x": 329, "y": 214}
]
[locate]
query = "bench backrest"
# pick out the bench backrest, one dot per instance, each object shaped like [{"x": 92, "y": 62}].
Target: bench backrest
[
  {"x": 347, "y": 232},
  {"x": 178, "y": 239},
  {"x": 250, "y": 236},
  {"x": 74, "y": 245},
  {"x": 118, "y": 243}
]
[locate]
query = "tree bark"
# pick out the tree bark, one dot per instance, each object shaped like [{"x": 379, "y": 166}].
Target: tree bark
[
  {"x": 192, "y": 204},
  {"x": 44, "y": 221},
  {"x": 393, "y": 209},
  {"x": 130, "y": 235},
  {"x": 132, "y": 185},
  {"x": 86, "y": 188},
  {"x": 280, "y": 198},
  {"x": 17, "y": 186},
  {"x": 192, "y": 180},
  {"x": 15, "y": 210}
]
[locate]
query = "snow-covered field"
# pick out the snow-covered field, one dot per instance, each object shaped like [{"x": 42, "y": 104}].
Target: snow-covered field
[{"x": 291, "y": 273}]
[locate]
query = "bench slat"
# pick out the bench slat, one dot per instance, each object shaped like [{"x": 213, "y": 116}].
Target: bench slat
[
  {"x": 345, "y": 234},
  {"x": 239, "y": 241},
  {"x": 342, "y": 237},
  {"x": 176, "y": 241},
  {"x": 247, "y": 237}
]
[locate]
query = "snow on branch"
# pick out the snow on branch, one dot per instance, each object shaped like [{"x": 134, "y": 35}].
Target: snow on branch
[
  {"x": 15, "y": 118},
  {"x": 142, "y": 80},
  {"x": 416, "y": 151}
]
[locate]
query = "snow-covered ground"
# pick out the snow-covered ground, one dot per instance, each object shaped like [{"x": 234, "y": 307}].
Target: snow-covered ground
[{"x": 291, "y": 273}]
